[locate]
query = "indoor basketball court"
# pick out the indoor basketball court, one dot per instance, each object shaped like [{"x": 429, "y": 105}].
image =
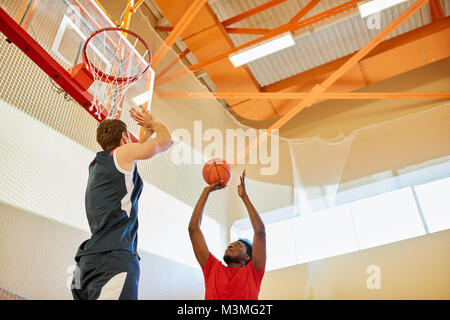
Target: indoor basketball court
[{"x": 333, "y": 115}]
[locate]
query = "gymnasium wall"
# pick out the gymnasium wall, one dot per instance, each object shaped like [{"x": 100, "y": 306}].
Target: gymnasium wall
[
  {"x": 412, "y": 269},
  {"x": 37, "y": 255}
]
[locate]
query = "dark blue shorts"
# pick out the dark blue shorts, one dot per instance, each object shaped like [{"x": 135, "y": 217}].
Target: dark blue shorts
[{"x": 112, "y": 275}]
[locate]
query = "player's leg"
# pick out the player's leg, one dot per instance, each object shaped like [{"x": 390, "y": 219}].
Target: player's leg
[
  {"x": 123, "y": 269},
  {"x": 111, "y": 275}
]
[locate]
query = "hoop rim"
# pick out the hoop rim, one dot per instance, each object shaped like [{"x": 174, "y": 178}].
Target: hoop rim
[{"x": 106, "y": 77}]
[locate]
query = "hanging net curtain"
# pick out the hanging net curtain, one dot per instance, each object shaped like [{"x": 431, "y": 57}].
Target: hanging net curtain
[
  {"x": 317, "y": 166},
  {"x": 384, "y": 155}
]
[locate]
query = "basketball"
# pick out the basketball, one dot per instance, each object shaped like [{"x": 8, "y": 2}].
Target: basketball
[{"x": 215, "y": 170}]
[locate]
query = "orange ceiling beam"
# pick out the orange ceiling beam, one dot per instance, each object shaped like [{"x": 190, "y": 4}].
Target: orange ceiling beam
[
  {"x": 315, "y": 93},
  {"x": 205, "y": 37},
  {"x": 436, "y": 10},
  {"x": 273, "y": 33},
  {"x": 280, "y": 30},
  {"x": 319, "y": 89},
  {"x": 137, "y": 5},
  {"x": 181, "y": 25},
  {"x": 252, "y": 12},
  {"x": 304, "y": 11},
  {"x": 248, "y": 30},
  {"x": 229, "y": 30},
  {"x": 392, "y": 50},
  {"x": 117, "y": 23},
  {"x": 172, "y": 64},
  {"x": 373, "y": 43},
  {"x": 422, "y": 46},
  {"x": 164, "y": 28},
  {"x": 302, "y": 95}
]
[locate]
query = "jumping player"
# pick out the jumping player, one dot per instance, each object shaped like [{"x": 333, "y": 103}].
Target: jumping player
[
  {"x": 108, "y": 263},
  {"x": 241, "y": 278}
]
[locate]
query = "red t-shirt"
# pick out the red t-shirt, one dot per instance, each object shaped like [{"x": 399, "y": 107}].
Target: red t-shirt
[{"x": 224, "y": 283}]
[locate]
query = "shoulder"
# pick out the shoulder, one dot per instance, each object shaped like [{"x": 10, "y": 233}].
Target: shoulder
[
  {"x": 212, "y": 260},
  {"x": 211, "y": 263},
  {"x": 257, "y": 273},
  {"x": 123, "y": 165}
]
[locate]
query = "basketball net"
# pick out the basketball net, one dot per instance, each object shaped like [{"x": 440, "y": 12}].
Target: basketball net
[{"x": 112, "y": 56}]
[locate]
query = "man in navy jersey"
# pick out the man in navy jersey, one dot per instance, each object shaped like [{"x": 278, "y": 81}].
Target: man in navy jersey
[{"x": 108, "y": 263}]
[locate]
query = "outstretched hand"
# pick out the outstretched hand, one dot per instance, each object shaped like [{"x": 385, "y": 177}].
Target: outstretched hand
[
  {"x": 214, "y": 186},
  {"x": 143, "y": 117},
  {"x": 241, "y": 187}
]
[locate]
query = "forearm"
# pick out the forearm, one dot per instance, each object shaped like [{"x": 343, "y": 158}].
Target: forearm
[
  {"x": 197, "y": 214},
  {"x": 255, "y": 219},
  {"x": 163, "y": 136},
  {"x": 147, "y": 134}
]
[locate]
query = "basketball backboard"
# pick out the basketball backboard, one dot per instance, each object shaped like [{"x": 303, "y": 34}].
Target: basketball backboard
[{"x": 52, "y": 33}]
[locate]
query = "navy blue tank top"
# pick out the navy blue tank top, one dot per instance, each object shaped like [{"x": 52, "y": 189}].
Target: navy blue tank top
[{"x": 111, "y": 201}]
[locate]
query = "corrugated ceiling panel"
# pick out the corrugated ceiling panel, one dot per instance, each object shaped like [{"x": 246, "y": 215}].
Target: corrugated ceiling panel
[{"x": 319, "y": 46}]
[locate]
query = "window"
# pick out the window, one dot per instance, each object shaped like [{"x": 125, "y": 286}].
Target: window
[
  {"x": 385, "y": 210},
  {"x": 434, "y": 201},
  {"x": 386, "y": 218},
  {"x": 324, "y": 234}
]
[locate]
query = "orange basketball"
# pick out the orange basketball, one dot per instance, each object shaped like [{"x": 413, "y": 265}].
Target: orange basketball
[{"x": 215, "y": 170}]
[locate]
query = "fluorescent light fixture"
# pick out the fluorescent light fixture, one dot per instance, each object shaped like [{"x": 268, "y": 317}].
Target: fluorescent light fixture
[
  {"x": 374, "y": 6},
  {"x": 262, "y": 49}
]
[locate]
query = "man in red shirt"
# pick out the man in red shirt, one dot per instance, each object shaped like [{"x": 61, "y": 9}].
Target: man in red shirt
[{"x": 241, "y": 278}]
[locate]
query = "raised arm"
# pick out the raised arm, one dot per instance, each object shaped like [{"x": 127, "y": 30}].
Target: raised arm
[
  {"x": 259, "y": 231},
  {"x": 201, "y": 250},
  {"x": 146, "y": 148}
]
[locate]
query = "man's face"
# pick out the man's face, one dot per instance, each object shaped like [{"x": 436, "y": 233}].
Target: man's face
[{"x": 236, "y": 252}]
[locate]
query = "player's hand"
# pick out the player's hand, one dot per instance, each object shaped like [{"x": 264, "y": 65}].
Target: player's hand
[
  {"x": 241, "y": 187},
  {"x": 143, "y": 117},
  {"x": 214, "y": 187}
]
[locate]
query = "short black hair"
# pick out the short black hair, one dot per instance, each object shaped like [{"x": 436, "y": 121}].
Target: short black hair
[{"x": 248, "y": 245}]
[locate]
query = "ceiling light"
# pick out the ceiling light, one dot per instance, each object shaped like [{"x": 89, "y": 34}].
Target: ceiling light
[
  {"x": 374, "y": 6},
  {"x": 262, "y": 49}
]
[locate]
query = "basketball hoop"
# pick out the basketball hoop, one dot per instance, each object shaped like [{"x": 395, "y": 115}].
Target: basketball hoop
[{"x": 113, "y": 60}]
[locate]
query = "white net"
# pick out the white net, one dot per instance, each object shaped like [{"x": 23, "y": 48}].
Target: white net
[{"x": 117, "y": 59}]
